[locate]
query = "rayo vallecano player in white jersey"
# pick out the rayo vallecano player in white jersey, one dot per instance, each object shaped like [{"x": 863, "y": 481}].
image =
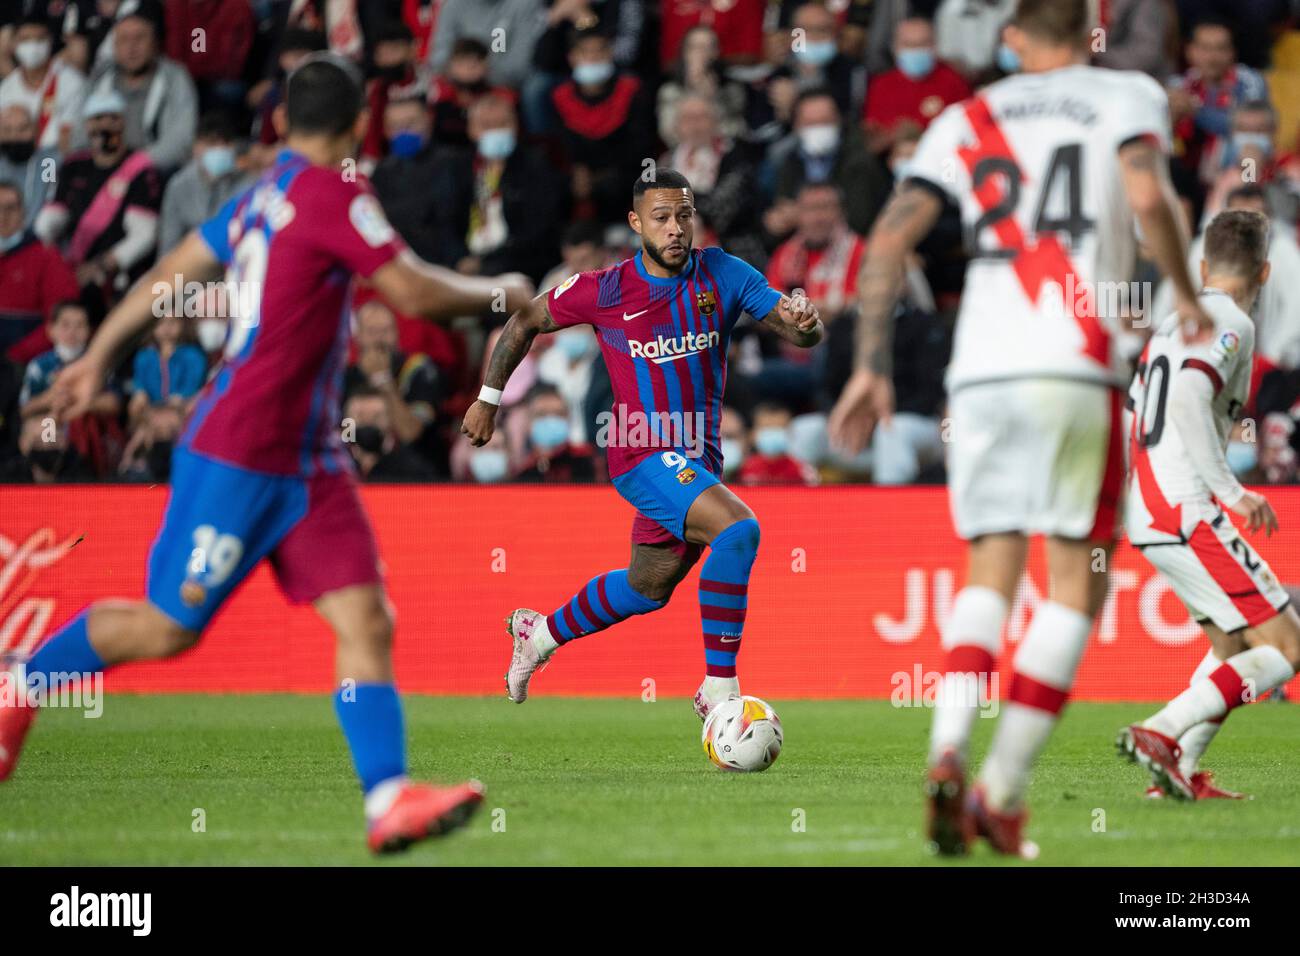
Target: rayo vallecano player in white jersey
[
  {"x": 1052, "y": 169},
  {"x": 1182, "y": 403}
]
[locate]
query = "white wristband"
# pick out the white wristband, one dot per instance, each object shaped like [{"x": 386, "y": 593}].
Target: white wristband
[{"x": 490, "y": 395}]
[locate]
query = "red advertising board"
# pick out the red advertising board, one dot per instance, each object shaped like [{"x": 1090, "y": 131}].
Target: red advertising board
[{"x": 844, "y": 600}]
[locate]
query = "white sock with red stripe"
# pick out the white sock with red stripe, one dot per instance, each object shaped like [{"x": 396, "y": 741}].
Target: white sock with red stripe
[
  {"x": 1238, "y": 680},
  {"x": 1195, "y": 741},
  {"x": 1045, "y": 665},
  {"x": 972, "y": 638}
]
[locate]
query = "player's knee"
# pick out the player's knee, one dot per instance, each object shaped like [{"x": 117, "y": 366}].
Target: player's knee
[
  {"x": 170, "y": 638},
  {"x": 376, "y": 630},
  {"x": 657, "y": 584},
  {"x": 743, "y": 536}
]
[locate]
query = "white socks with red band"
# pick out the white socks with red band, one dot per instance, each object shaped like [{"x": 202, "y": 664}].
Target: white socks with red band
[
  {"x": 972, "y": 639},
  {"x": 1238, "y": 680},
  {"x": 1045, "y": 665},
  {"x": 1195, "y": 741}
]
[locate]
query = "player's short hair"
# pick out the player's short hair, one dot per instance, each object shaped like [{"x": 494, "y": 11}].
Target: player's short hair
[
  {"x": 324, "y": 94},
  {"x": 1059, "y": 22},
  {"x": 1236, "y": 242},
  {"x": 660, "y": 178},
  {"x": 1249, "y": 191}
]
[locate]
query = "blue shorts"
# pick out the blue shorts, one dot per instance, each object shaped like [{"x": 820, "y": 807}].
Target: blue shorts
[
  {"x": 221, "y": 520},
  {"x": 664, "y": 486}
]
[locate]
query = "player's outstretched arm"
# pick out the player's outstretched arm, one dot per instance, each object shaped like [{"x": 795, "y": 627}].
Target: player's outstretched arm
[
  {"x": 513, "y": 344},
  {"x": 1191, "y": 412},
  {"x": 796, "y": 320},
  {"x": 78, "y": 385},
  {"x": 868, "y": 396},
  {"x": 416, "y": 287},
  {"x": 1150, "y": 194}
]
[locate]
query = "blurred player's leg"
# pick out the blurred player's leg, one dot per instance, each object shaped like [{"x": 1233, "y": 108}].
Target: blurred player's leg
[
  {"x": 971, "y": 639},
  {"x": 1044, "y": 669},
  {"x": 722, "y": 521},
  {"x": 1269, "y": 663},
  {"x": 398, "y": 812},
  {"x": 645, "y": 585},
  {"x": 104, "y": 635}
]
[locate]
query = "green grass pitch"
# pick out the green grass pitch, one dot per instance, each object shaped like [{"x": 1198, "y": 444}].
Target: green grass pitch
[{"x": 616, "y": 782}]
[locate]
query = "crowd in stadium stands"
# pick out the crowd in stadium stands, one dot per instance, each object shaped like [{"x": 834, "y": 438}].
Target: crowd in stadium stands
[{"x": 505, "y": 136}]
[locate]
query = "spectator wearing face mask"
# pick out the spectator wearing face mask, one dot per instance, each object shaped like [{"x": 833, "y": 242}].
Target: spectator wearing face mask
[
  {"x": 488, "y": 465},
  {"x": 733, "y": 436},
  {"x": 605, "y": 120},
  {"x": 1202, "y": 99},
  {"x": 205, "y": 183},
  {"x": 392, "y": 76},
  {"x": 915, "y": 91},
  {"x": 160, "y": 105},
  {"x": 69, "y": 330},
  {"x": 379, "y": 455},
  {"x": 452, "y": 93},
  {"x": 48, "y": 89},
  {"x": 168, "y": 371},
  {"x": 34, "y": 171},
  {"x": 771, "y": 462},
  {"x": 825, "y": 151},
  {"x": 1246, "y": 157},
  {"x": 34, "y": 279},
  {"x": 552, "y": 457},
  {"x": 814, "y": 60},
  {"x": 104, "y": 214},
  {"x": 492, "y": 214}
]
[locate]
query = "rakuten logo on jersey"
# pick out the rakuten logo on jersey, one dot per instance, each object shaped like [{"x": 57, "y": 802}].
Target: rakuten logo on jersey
[{"x": 663, "y": 349}]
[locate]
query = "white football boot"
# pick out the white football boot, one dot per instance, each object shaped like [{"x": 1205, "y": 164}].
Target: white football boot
[
  {"x": 533, "y": 645},
  {"x": 714, "y": 691}
]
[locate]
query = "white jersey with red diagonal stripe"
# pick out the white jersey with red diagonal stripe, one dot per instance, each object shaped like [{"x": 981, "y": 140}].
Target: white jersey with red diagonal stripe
[
  {"x": 1032, "y": 162},
  {"x": 1167, "y": 496}
]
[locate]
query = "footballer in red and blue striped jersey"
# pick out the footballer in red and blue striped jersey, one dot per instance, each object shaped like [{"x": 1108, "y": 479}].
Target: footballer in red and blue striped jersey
[
  {"x": 261, "y": 471},
  {"x": 664, "y": 319}
]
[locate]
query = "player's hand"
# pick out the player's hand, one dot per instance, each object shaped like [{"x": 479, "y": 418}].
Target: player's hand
[
  {"x": 867, "y": 400},
  {"x": 75, "y": 387},
  {"x": 1194, "y": 323},
  {"x": 798, "y": 311},
  {"x": 479, "y": 424},
  {"x": 1258, "y": 513},
  {"x": 519, "y": 290}
]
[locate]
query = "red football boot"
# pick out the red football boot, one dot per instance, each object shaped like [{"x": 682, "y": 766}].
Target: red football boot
[
  {"x": 1004, "y": 831},
  {"x": 15, "y": 720},
  {"x": 422, "y": 811},
  {"x": 1158, "y": 753},
  {"x": 949, "y": 824},
  {"x": 1205, "y": 788}
]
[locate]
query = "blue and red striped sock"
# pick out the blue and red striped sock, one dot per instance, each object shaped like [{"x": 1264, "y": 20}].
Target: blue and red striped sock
[
  {"x": 724, "y": 595},
  {"x": 603, "y": 602}
]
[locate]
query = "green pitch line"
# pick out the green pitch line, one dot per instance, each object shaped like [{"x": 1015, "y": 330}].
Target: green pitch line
[{"x": 602, "y": 782}]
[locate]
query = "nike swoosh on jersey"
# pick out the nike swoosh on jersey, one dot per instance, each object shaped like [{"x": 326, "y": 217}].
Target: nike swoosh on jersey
[{"x": 629, "y": 318}]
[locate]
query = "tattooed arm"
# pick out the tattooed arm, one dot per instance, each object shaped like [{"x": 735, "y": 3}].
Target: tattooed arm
[
  {"x": 868, "y": 396},
  {"x": 514, "y": 343},
  {"x": 1145, "y": 175}
]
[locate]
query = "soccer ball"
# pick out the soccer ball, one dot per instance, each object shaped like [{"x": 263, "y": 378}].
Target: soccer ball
[{"x": 743, "y": 734}]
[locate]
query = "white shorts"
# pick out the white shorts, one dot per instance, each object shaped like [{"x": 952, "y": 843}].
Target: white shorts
[
  {"x": 1037, "y": 456},
  {"x": 1217, "y": 575}
]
